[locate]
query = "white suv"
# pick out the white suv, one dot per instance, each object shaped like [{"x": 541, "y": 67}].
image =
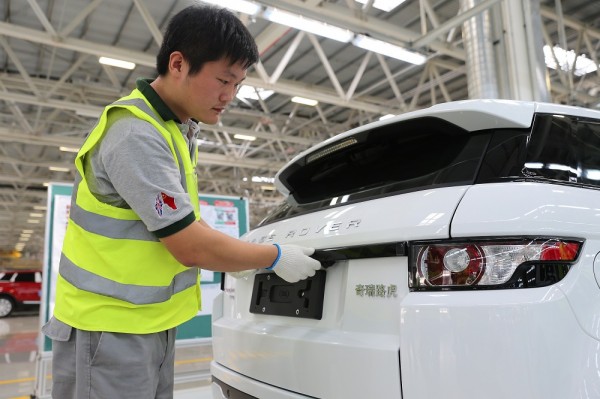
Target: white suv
[{"x": 461, "y": 243}]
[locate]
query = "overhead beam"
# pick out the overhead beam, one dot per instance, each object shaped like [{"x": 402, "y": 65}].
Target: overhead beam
[
  {"x": 208, "y": 158},
  {"x": 341, "y": 16},
  {"x": 78, "y": 45},
  {"x": 572, "y": 23},
  {"x": 433, "y": 34},
  {"x": 91, "y": 110},
  {"x": 39, "y": 194},
  {"x": 204, "y": 158},
  {"x": 140, "y": 58}
]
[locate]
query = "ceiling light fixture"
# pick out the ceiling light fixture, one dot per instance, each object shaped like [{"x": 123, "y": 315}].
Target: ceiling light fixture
[
  {"x": 244, "y": 137},
  {"x": 305, "y": 101},
  {"x": 384, "y": 5},
  {"x": 242, "y": 6},
  {"x": 308, "y": 25},
  {"x": 68, "y": 149},
  {"x": 58, "y": 169},
  {"x": 116, "y": 63},
  {"x": 253, "y": 93},
  {"x": 325, "y": 30},
  {"x": 391, "y": 50},
  {"x": 567, "y": 60},
  {"x": 263, "y": 179}
]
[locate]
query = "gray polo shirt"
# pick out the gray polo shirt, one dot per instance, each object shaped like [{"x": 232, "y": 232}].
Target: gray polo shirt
[{"x": 133, "y": 167}]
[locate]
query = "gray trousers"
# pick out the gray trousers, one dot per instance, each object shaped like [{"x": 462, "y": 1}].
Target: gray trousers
[{"x": 104, "y": 365}]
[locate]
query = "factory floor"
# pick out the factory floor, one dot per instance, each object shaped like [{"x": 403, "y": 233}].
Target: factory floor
[{"x": 18, "y": 354}]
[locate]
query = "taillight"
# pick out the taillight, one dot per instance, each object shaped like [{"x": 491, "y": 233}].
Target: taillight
[{"x": 509, "y": 263}]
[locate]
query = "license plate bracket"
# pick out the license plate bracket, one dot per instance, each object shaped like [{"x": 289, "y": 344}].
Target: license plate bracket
[{"x": 274, "y": 296}]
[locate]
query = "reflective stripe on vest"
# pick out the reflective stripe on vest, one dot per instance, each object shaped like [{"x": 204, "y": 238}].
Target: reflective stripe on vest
[
  {"x": 135, "y": 294},
  {"x": 108, "y": 227}
]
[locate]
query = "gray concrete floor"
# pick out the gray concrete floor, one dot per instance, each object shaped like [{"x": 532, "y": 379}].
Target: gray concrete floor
[{"x": 18, "y": 350}]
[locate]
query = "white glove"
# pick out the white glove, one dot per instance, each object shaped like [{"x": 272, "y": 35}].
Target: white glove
[{"x": 294, "y": 263}]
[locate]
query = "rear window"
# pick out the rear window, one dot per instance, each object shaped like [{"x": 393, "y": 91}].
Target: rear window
[
  {"x": 429, "y": 152},
  {"x": 391, "y": 158},
  {"x": 560, "y": 148}
]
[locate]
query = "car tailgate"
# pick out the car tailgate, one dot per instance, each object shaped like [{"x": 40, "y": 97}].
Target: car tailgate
[{"x": 357, "y": 337}]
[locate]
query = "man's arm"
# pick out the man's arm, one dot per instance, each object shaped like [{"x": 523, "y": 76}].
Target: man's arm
[
  {"x": 140, "y": 168},
  {"x": 201, "y": 246}
]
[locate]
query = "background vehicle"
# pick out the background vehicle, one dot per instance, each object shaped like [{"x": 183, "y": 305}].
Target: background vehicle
[
  {"x": 462, "y": 245},
  {"x": 18, "y": 288}
]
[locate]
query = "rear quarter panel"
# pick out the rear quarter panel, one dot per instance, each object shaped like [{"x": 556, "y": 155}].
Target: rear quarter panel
[
  {"x": 536, "y": 343},
  {"x": 543, "y": 210}
]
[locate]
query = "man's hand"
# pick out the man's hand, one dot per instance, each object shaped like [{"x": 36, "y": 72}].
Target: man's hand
[{"x": 294, "y": 263}]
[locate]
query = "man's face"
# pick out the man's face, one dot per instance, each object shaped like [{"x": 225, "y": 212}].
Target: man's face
[{"x": 207, "y": 93}]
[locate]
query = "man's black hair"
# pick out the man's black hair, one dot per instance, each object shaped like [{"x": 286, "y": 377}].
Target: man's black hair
[{"x": 205, "y": 33}]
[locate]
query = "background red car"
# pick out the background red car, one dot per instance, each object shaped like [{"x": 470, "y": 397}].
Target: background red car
[{"x": 19, "y": 287}]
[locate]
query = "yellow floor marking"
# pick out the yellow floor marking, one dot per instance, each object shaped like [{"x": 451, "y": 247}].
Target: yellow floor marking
[
  {"x": 6, "y": 382},
  {"x": 200, "y": 360},
  {"x": 29, "y": 379}
]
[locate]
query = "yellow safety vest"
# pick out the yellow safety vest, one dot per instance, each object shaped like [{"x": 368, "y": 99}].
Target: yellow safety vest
[{"x": 114, "y": 274}]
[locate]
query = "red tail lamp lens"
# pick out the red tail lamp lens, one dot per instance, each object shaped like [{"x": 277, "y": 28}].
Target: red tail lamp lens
[
  {"x": 441, "y": 265},
  {"x": 559, "y": 250},
  {"x": 488, "y": 263}
]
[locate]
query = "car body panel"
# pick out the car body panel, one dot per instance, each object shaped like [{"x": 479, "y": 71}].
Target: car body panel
[
  {"x": 417, "y": 215},
  {"x": 518, "y": 344},
  {"x": 379, "y": 338},
  {"x": 249, "y": 386},
  {"x": 545, "y": 210},
  {"x": 528, "y": 209},
  {"x": 435, "y": 329}
]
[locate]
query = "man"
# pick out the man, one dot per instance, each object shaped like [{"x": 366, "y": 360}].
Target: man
[{"x": 134, "y": 242}]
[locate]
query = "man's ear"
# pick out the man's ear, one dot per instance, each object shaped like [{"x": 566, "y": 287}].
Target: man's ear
[{"x": 176, "y": 62}]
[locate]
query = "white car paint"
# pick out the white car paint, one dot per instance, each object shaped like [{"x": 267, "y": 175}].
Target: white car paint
[{"x": 534, "y": 343}]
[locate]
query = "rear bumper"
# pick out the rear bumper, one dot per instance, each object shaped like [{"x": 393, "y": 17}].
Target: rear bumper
[
  {"x": 318, "y": 364},
  {"x": 227, "y": 384}
]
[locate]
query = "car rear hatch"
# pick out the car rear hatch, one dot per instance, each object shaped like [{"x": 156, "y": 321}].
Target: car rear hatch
[{"x": 358, "y": 199}]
